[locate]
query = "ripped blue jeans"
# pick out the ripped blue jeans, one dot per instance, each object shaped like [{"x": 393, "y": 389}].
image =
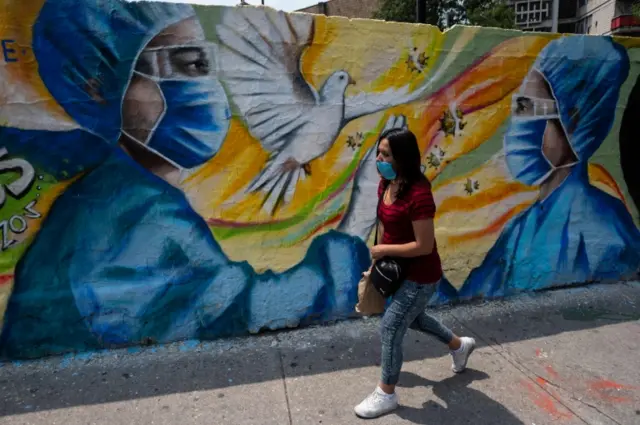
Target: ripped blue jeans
[{"x": 407, "y": 310}]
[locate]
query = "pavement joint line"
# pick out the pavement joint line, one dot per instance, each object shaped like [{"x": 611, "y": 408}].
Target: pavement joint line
[
  {"x": 284, "y": 380},
  {"x": 525, "y": 371},
  {"x": 597, "y": 410},
  {"x": 571, "y": 395}
]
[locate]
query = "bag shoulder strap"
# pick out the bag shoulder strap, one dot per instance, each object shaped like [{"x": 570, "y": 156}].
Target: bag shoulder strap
[{"x": 375, "y": 240}]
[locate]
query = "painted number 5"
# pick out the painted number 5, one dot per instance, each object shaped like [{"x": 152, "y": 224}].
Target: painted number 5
[{"x": 21, "y": 186}]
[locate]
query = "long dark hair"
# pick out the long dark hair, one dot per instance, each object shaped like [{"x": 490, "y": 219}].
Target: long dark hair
[{"x": 406, "y": 154}]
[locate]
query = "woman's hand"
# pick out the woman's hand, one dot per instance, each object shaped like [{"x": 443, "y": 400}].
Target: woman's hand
[
  {"x": 368, "y": 272},
  {"x": 378, "y": 251}
]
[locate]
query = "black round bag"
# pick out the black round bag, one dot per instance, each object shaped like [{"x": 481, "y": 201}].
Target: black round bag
[{"x": 387, "y": 275}]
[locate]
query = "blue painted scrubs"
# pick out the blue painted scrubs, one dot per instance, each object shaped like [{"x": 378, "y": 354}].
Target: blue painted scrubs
[
  {"x": 122, "y": 258},
  {"x": 578, "y": 234}
]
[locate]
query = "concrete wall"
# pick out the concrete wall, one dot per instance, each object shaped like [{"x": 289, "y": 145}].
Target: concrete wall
[{"x": 170, "y": 176}]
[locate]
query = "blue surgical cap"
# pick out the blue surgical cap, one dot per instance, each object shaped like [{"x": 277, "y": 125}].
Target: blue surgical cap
[
  {"x": 80, "y": 41},
  {"x": 585, "y": 74}
]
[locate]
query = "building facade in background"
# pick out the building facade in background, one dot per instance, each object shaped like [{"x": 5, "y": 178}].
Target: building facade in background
[
  {"x": 594, "y": 17},
  {"x": 364, "y": 9},
  {"x": 533, "y": 15}
]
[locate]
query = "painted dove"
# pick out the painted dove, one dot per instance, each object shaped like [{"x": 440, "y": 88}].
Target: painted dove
[{"x": 259, "y": 63}]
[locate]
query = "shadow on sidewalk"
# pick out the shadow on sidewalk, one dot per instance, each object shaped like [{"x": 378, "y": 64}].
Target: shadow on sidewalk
[
  {"x": 461, "y": 403},
  {"x": 154, "y": 372}
]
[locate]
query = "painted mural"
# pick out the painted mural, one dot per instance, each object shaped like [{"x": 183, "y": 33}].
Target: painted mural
[{"x": 172, "y": 172}]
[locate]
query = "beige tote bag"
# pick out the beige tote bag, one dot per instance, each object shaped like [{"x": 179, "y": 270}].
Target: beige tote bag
[{"x": 370, "y": 302}]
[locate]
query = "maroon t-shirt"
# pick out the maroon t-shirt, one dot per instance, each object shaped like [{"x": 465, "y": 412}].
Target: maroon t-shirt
[{"x": 416, "y": 204}]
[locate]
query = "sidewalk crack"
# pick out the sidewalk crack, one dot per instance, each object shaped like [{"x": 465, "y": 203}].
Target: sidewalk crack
[
  {"x": 572, "y": 396},
  {"x": 284, "y": 382},
  {"x": 492, "y": 343},
  {"x": 597, "y": 409}
]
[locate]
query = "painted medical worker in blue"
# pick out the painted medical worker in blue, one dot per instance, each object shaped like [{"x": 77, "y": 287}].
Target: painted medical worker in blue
[
  {"x": 574, "y": 232},
  {"x": 122, "y": 257}
]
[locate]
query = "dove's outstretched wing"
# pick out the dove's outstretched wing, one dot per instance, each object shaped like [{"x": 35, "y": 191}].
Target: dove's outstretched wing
[
  {"x": 363, "y": 103},
  {"x": 259, "y": 63}
]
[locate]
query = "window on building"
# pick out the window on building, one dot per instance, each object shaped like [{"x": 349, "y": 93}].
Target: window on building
[
  {"x": 582, "y": 3},
  {"x": 545, "y": 10},
  {"x": 567, "y": 28},
  {"x": 522, "y": 13},
  {"x": 532, "y": 12},
  {"x": 625, "y": 8},
  {"x": 584, "y": 25}
]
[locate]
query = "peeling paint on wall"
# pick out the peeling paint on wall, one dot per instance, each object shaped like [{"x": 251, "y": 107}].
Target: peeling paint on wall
[{"x": 177, "y": 173}]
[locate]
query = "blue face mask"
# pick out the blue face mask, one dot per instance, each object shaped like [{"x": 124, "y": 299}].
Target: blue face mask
[
  {"x": 523, "y": 150},
  {"x": 195, "y": 121},
  {"x": 386, "y": 170}
]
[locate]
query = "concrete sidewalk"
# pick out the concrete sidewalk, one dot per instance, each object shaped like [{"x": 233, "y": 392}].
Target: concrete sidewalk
[{"x": 561, "y": 357}]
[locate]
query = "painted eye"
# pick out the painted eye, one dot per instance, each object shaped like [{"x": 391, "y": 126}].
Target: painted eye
[{"x": 523, "y": 104}]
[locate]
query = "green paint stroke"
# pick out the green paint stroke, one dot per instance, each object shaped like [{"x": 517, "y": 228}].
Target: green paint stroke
[
  {"x": 229, "y": 232},
  {"x": 15, "y": 207}
]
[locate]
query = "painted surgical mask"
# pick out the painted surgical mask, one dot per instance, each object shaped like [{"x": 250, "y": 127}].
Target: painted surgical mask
[
  {"x": 196, "y": 115},
  {"x": 524, "y": 137}
]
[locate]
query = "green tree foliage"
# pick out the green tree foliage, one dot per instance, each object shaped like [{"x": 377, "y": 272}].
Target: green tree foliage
[
  {"x": 443, "y": 13},
  {"x": 490, "y": 13},
  {"x": 446, "y": 13},
  {"x": 397, "y": 10}
]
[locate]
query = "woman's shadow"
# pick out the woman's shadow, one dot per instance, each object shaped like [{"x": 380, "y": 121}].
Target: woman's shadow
[{"x": 460, "y": 404}]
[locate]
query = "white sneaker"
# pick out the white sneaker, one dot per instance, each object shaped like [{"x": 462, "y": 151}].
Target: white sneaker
[
  {"x": 377, "y": 404},
  {"x": 461, "y": 356}
]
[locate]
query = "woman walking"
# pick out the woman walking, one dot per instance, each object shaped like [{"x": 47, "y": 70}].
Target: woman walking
[{"x": 406, "y": 211}]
